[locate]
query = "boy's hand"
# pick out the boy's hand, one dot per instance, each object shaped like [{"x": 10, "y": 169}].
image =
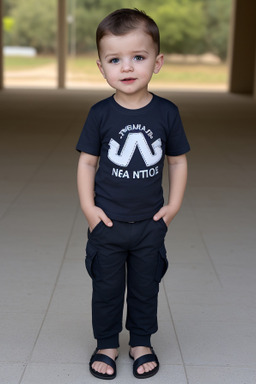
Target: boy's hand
[
  {"x": 166, "y": 213},
  {"x": 95, "y": 215}
]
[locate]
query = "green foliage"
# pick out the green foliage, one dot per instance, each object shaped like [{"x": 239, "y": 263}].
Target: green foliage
[
  {"x": 186, "y": 26},
  {"x": 8, "y": 24},
  {"x": 8, "y": 5},
  {"x": 217, "y": 16},
  {"x": 181, "y": 24},
  {"x": 88, "y": 15},
  {"x": 8, "y": 21},
  {"x": 35, "y": 24}
]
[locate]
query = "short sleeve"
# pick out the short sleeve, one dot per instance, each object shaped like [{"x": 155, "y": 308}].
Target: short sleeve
[
  {"x": 89, "y": 140},
  {"x": 177, "y": 142}
]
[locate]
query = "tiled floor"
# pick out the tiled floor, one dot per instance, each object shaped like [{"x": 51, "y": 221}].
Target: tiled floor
[{"x": 207, "y": 307}]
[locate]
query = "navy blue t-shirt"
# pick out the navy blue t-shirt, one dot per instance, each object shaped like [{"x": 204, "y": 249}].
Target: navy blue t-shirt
[{"x": 132, "y": 145}]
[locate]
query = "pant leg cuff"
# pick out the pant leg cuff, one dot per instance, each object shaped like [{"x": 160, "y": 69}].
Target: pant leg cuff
[
  {"x": 140, "y": 340},
  {"x": 108, "y": 343}
]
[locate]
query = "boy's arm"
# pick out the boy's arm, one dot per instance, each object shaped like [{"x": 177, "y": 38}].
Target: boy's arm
[
  {"x": 177, "y": 166},
  {"x": 86, "y": 171}
]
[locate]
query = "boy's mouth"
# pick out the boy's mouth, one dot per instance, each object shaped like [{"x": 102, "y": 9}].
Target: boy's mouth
[{"x": 128, "y": 80}]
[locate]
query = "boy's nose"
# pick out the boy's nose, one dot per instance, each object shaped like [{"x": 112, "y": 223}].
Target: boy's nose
[{"x": 127, "y": 66}]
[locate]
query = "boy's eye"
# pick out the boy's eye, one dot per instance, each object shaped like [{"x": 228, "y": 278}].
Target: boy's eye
[
  {"x": 114, "y": 60},
  {"x": 138, "y": 58}
]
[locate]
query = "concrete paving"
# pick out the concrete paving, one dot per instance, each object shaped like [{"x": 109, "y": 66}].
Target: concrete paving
[{"x": 207, "y": 303}]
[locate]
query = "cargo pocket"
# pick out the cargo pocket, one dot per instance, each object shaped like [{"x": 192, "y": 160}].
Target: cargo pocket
[
  {"x": 91, "y": 262},
  {"x": 162, "y": 264}
]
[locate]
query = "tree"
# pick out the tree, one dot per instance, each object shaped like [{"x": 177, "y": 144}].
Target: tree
[
  {"x": 186, "y": 26},
  {"x": 180, "y": 21},
  {"x": 217, "y": 15},
  {"x": 8, "y": 23},
  {"x": 88, "y": 15},
  {"x": 7, "y": 6},
  {"x": 181, "y": 24},
  {"x": 35, "y": 24}
]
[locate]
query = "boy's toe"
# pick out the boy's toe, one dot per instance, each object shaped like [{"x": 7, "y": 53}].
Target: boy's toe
[{"x": 102, "y": 366}]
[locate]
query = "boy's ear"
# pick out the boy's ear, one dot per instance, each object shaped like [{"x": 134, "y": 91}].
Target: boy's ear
[
  {"x": 159, "y": 62},
  {"x": 100, "y": 68}
]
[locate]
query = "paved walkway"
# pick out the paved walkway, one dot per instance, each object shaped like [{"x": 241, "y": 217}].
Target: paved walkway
[{"x": 207, "y": 306}]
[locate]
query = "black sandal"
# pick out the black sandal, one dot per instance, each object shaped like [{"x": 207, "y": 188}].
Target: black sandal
[
  {"x": 149, "y": 358},
  {"x": 104, "y": 359}
]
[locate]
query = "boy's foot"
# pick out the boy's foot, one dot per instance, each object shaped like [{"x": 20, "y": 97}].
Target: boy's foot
[
  {"x": 147, "y": 369},
  {"x": 101, "y": 367}
]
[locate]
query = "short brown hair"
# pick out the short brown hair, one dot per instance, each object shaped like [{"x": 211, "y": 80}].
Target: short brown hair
[{"x": 125, "y": 20}]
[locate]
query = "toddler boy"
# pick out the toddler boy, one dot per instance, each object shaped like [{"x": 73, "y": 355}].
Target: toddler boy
[{"x": 128, "y": 134}]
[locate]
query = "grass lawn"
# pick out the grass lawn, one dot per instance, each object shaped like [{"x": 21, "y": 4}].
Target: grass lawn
[
  {"x": 23, "y": 63},
  {"x": 85, "y": 68},
  {"x": 193, "y": 73}
]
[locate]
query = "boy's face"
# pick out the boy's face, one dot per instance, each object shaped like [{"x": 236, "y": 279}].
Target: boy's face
[{"x": 128, "y": 62}]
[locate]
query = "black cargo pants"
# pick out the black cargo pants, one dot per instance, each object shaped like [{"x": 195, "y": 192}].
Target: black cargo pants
[{"x": 132, "y": 256}]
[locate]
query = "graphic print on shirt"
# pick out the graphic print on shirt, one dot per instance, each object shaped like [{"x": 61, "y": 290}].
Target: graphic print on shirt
[
  {"x": 135, "y": 140},
  {"x": 151, "y": 156}
]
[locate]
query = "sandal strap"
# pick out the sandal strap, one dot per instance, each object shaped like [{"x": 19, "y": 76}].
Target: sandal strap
[
  {"x": 145, "y": 359},
  {"x": 104, "y": 359}
]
